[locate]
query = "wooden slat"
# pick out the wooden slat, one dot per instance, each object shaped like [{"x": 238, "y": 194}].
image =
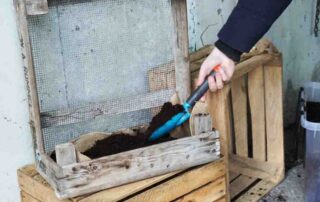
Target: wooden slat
[
  {"x": 37, "y": 7},
  {"x": 182, "y": 184},
  {"x": 233, "y": 175},
  {"x": 34, "y": 186},
  {"x": 66, "y": 154},
  {"x": 257, "y": 109},
  {"x": 210, "y": 192},
  {"x": 256, "y": 192},
  {"x": 274, "y": 114},
  {"x": 259, "y": 169},
  {"x": 110, "y": 107},
  {"x": 223, "y": 199},
  {"x": 29, "y": 73},
  {"x": 239, "y": 106},
  {"x": 121, "y": 192},
  {"x": 181, "y": 48},
  {"x": 219, "y": 111},
  {"x": 98, "y": 174},
  {"x": 240, "y": 184},
  {"x": 200, "y": 123},
  {"x": 27, "y": 198},
  {"x": 246, "y": 66},
  {"x": 201, "y": 53}
]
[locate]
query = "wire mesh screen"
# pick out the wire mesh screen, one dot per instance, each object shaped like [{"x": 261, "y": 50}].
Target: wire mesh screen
[{"x": 100, "y": 65}]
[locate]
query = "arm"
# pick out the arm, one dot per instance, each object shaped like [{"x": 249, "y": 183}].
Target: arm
[{"x": 248, "y": 22}]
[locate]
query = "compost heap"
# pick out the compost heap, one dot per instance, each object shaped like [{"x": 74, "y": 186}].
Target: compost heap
[{"x": 120, "y": 142}]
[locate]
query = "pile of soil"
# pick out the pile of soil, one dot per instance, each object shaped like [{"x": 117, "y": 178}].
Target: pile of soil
[
  {"x": 313, "y": 111},
  {"x": 121, "y": 142}
]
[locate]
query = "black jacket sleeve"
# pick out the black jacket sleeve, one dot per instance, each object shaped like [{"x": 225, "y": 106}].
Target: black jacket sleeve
[{"x": 248, "y": 22}]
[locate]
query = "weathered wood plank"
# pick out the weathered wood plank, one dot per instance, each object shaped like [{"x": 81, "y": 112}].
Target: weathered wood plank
[
  {"x": 181, "y": 48},
  {"x": 208, "y": 193},
  {"x": 256, "y": 192},
  {"x": 35, "y": 187},
  {"x": 233, "y": 175},
  {"x": 200, "y": 123},
  {"x": 121, "y": 192},
  {"x": 37, "y": 7},
  {"x": 239, "y": 184},
  {"x": 201, "y": 53},
  {"x": 110, "y": 107},
  {"x": 239, "y": 106},
  {"x": 219, "y": 110},
  {"x": 66, "y": 154},
  {"x": 29, "y": 73},
  {"x": 27, "y": 198},
  {"x": 257, "y": 109},
  {"x": 246, "y": 66},
  {"x": 138, "y": 164},
  {"x": 182, "y": 184},
  {"x": 260, "y": 169},
  {"x": 274, "y": 114}
]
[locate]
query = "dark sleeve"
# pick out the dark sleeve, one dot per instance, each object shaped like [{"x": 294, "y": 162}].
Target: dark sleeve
[{"x": 249, "y": 21}]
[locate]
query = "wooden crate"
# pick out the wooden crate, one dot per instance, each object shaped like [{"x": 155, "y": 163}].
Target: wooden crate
[
  {"x": 200, "y": 184},
  {"x": 248, "y": 114},
  {"x": 69, "y": 176}
]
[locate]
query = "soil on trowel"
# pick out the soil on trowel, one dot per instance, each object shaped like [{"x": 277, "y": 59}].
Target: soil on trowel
[
  {"x": 313, "y": 111},
  {"x": 121, "y": 142}
]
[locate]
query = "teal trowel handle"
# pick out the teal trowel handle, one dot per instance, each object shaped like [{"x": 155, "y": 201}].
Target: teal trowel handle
[{"x": 202, "y": 89}]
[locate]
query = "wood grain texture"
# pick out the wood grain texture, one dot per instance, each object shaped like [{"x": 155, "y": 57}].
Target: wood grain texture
[
  {"x": 66, "y": 154},
  {"x": 27, "y": 198},
  {"x": 182, "y": 184},
  {"x": 201, "y": 123},
  {"x": 34, "y": 185},
  {"x": 208, "y": 193},
  {"x": 121, "y": 192},
  {"x": 240, "y": 111},
  {"x": 110, "y": 107},
  {"x": 37, "y": 7},
  {"x": 274, "y": 115},
  {"x": 240, "y": 184},
  {"x": 257, "y": 110},
  {"x": 181, "y": 48},
  {"x": 201, "y": 53},
  {"x": 94, "y": 175},
  {"x": 219, "y": 110},
  {"x": 259, "y": 169},
  {"x": 35, "y": 125},
  {"x": 256, "y": 192}
]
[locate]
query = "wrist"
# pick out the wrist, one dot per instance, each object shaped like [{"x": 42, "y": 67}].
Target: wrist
[{"x": 231, "y": 53}]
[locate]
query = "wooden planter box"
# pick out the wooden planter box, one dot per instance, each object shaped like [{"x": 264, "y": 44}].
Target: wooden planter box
[{"x": 71, "y": 177}]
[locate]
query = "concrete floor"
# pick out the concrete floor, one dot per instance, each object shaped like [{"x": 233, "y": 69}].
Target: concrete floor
[{"x": 291, "y": 189}]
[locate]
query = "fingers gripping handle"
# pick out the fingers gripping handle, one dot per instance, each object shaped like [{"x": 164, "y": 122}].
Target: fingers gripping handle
[{"x": 202, "y": 89}]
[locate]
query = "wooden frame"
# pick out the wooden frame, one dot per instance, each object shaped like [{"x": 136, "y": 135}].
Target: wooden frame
[{"x": 71, "y": 178}]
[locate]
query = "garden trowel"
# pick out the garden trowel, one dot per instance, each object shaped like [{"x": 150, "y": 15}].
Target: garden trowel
[{"x": 180, "y": 118}]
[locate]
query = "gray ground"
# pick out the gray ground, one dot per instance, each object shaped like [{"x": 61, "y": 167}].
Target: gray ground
[{"x": 291, "y": 189}]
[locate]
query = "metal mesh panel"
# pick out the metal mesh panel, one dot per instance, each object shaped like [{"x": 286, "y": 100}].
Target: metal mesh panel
[{"x": 90, "y": 52}]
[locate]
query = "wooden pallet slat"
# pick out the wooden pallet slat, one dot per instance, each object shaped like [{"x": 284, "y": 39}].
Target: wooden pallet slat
[
  {"x": 240, "y": 184},
  {"x": 208, "y": 193},
  {"x": 240, "y": 111},
  {"x": 274, "y": 114},
  {"x": 182, "y": 184},
  {"x": 257, "y": 110}
]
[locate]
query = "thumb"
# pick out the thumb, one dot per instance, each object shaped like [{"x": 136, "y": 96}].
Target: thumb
[{"x": 202, "y": 75}]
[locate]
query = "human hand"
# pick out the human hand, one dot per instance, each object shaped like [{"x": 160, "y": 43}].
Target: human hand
[{"x": 223, "y": 74}]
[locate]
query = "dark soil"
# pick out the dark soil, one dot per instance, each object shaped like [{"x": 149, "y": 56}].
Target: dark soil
[
  {"x": 313, "y": 111},
  {"x": 121, "y": 142}
]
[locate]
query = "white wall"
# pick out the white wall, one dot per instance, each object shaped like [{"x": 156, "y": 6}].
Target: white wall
[{"x": 16, "y": 147}]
